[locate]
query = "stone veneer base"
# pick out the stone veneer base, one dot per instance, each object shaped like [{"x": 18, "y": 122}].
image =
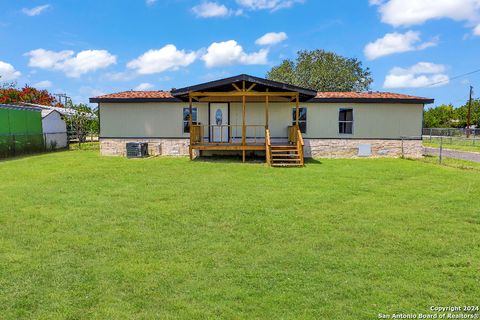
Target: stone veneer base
[{"x": 316, "y": 148}]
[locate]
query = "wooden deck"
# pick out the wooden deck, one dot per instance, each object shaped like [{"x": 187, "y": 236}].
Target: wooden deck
[
  {"x": 276, "y": 154},
  {"x": 229, "y": 146}
]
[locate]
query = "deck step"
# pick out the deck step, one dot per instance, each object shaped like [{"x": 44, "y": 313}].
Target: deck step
[
  {"x": 284, "y": 147},
  {"x": 284, "y": 155},
  {"x": 284, "y": 150},
  {"x": 279, "y": 160}
]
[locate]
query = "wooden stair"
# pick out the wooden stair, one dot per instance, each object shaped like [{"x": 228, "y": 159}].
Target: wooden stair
[
  {"x": 285, "y": 156},
  {"x": 288, "y": 155}
]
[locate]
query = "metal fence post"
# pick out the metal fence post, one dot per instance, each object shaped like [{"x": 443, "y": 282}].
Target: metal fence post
[
  {"x": 403, "y": 152},
  {"x": 441, "y": 149}
]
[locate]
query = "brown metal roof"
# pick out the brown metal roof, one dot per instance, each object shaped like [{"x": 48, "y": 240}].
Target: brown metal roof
[
  {"x": 360, "y": 97},
  {"x": 135, "y": 96},
  {"x": 365, "y": 95}
]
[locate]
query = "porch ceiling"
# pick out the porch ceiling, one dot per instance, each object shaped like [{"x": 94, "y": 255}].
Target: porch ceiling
[{"x": 256, "y": 84}]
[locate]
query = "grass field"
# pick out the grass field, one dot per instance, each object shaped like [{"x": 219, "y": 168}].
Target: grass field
[{"x": 90, "y": 237}]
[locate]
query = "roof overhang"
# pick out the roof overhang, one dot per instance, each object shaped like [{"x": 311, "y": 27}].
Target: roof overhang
[
  {"x": 373, "y": 100},
  {"x": 256, "y": 85},
  {"x": 131, "y": 100}
]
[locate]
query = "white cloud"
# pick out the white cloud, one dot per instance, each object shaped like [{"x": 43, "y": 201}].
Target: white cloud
[
  {"x": 8, "y": 72},
  {"x": 212, "y": 10},
  {"x": 166, "y": 58},
  {"x": 476, "y": 31},
  {"x": 271, "y": 38},
  {"x": 228, "y": 53},
  {"x": 267, "y": 4},
  {"x": 150, "y": 2},
  {"x": 395, "y": 43},
  {"x": 43, "y": 84},
  {"x": 69, "y": 63},
  {"x": 415, "y": 12},
  {"x": 144, "y": 87},
  {"x": 120, "y": 76},
  {"x": 36, "y": 10},
  {"x": 420, "y": 75}
]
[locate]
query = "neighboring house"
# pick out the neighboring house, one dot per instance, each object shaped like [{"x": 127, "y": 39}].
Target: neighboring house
[
  {"x": 54, "y": 129},
  {"x": 246, "y": 115}
]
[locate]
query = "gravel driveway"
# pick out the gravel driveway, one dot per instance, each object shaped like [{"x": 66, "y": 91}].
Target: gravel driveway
[{"x": 456, "y": 154}]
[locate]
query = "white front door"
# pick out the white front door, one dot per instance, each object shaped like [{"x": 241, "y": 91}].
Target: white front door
[{"x": 219, "y": 122}]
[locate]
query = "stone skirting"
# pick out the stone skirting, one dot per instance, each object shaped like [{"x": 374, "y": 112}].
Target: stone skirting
[
  {"x": 316, "y": 148},
  {"x": 349, "y": 148},
  {"x": 156, "y": 147}
]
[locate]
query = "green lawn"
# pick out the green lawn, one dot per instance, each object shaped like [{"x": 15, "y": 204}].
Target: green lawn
[{"x": 90, "y": 237}]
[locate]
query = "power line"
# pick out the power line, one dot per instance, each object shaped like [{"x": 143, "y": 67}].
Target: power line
[{"x": 453, "y": 78}]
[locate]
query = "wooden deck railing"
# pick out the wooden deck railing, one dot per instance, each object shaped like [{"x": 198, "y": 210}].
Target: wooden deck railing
[
  {"x": 295, "y": 137},
  {"x": 226, "y": 134},
  {"x": 195, "y": 134}
]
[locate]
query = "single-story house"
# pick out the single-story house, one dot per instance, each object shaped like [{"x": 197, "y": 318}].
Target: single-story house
[
  {"x": 246, "y": 115},
  {"x": 54, "y": 129}
]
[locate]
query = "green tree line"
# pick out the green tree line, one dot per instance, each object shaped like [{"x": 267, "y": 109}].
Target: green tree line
[{"x": 448, "y": 116}]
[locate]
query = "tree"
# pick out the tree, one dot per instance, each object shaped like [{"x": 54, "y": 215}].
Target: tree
[
  {"x": 462, "y": 114},
  {"x": 82, "y": 122},
  {"x": 447, "y": 116},
  {"x": 323, "y": 71},
  {"x": 443, "y": 116},
  {"x": 10, "y": 94}
]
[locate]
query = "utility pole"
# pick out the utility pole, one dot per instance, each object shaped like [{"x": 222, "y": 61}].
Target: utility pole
[
  {"x": 469, "y": 112},
  {"x": 65, "y": 97}
]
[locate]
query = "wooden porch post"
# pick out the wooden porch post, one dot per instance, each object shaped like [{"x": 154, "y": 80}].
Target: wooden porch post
[
  {"x": 297, "y": 110},
  {"x": 244, "y": 128},
  {"x": 190, "y": 121},
  {"x": 266, "y": 111}
]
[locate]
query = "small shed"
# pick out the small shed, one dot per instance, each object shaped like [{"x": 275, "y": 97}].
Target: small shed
[{"x": 54, "y": 129}]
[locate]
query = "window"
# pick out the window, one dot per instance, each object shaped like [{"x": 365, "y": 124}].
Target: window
[
  {"x": 302, "y": 118},
  {"x": 345, "y": 121},
  {"x": 186, "y": 119}
]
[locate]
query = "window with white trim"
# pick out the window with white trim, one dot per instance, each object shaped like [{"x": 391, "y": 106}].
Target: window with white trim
[
  {"x": 186, "y": 119},
  {"x": 345, "y": 121}
]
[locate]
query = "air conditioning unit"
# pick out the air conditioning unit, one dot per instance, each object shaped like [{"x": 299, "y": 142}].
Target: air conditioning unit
[{"x": 137, "y": 149}]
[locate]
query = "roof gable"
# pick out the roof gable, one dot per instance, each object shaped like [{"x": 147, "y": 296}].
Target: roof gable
[{"x": 261, "y": 85}]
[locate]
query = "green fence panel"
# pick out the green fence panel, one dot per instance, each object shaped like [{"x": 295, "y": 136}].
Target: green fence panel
[
  {"x": 6, "y": 147},
  {"x": 4, "y": 122},
  {"x": 18, "y": 121},
  {"x": 21, "y": 132},
  {"x": 34, "y": 122}
]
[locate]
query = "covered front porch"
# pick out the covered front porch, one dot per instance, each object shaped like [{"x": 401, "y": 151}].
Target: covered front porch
[{"x": 231, "y": 128}]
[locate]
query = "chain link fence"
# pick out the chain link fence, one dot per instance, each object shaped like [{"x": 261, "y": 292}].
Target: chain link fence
[
  {"x": 22, "y": 144},
  {"x": 454, "y": 147},
  {"x": 451, "y": 132},
  {"x": 82, "y": 137}
]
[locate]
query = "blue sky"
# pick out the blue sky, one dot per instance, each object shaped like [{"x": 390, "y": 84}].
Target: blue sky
[{"x": 90, "y": 47}]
